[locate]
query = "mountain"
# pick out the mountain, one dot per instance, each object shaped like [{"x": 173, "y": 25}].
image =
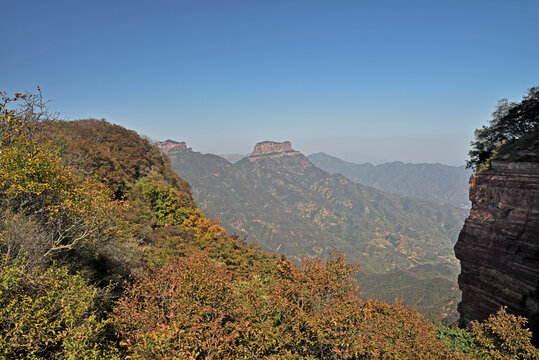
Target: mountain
[
  {"x": 282, "y": 202},
  {"x": 442, "y": 184}
]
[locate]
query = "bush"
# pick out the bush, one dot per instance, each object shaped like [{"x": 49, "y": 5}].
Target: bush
[
  {"x": 162, "y": 203},
  {"x": 48, "y": 314},
  {"x": 75, "y": 211},
  {"x": 179, "y": 311},
  {"x": 504, "y": 336},
  {"x": 61, "y": 213},
  {"x": 457, "y": 339},
  {"x": 197, "y": 308}
]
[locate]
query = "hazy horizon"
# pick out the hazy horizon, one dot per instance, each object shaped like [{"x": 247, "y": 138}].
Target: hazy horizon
[
  {"x": 349, "y": 156},
  {"x": 392, "y": 80}
]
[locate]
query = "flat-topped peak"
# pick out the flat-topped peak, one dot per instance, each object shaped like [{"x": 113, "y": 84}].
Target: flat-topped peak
[
  {"x": 273, "y": 147},
  {"x": 169, "y": 146}
]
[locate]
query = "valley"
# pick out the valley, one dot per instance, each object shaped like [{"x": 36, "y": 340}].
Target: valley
[{"x": 278, "y": 199}]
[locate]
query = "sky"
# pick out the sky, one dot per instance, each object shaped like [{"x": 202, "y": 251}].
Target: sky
[{"x": 363, "y": 80}]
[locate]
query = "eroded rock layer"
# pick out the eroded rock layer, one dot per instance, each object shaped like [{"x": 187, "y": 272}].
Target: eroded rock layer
[
  {"x": 272, "y": 149},
  {"x": 499, "y": 244},
  {"x": 170, "y": 146}
]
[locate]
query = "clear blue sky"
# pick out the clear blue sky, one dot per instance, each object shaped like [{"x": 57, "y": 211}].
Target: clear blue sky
[{"x": 389, "y": 80}]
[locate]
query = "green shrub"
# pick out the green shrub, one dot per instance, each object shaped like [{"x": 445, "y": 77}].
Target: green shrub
[
  {"x": 158, "y": 202},
  {"x": 456, "y": 338},
  {"x": 49, "y": 314}
]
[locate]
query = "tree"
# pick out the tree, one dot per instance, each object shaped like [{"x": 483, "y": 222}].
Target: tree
[
  {"x": 504, "y": 336},
  {"x": 510, "y": 122}
]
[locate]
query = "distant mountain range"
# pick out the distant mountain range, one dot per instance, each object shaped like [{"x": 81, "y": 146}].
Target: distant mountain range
[
  {"x": 442, "y": 184},
  {"x": 233, "y": 157},
  {"x": 280, "y": 200}
]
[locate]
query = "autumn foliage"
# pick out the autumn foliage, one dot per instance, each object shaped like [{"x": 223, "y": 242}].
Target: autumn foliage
[
  {"x": 197, "y": 308},
  {"x": 74, "y": 212},
  {"x": 116, "y": 156},
  {"x": 504, "y": 336}
]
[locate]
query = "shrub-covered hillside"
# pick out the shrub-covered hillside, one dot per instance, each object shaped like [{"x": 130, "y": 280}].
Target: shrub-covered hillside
[{"x": 104, "y": 255}]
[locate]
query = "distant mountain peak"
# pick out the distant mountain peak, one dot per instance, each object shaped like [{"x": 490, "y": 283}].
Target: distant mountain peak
[
  {"x": 272, "y": 149},
  {"x": 170, "y": 146}
]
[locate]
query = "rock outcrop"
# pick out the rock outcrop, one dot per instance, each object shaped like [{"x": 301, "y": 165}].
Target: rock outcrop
[
  {"x": 170, "y": 146},
  {"x": 272, "y": 149},
  {"x": 499, "y": 244}
]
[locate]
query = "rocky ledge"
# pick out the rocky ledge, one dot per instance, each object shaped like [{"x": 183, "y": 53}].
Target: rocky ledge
[
  {"x": 272, "y": 149},
  {"x": 170, "y": 146},
  {"x": 499, "y": 244}
]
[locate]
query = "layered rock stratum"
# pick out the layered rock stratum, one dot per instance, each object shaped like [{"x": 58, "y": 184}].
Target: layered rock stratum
[
  {"x": 170, "y": 146},
  {"x": 499, "y": 244},
  {"x": 272, "y": 149}
]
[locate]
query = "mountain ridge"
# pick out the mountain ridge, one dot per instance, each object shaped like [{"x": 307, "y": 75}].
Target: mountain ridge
[{"x": 439, "y": 183}]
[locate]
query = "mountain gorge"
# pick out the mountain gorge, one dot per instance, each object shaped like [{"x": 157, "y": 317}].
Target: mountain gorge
[{"x": 285, "y": 204}]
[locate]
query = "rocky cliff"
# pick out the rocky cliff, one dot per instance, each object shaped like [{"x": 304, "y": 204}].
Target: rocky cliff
[
  {"x": 170, "y": 146},
  {"x": 272, "y": 149},
  {"x": 499, "y": 244}
]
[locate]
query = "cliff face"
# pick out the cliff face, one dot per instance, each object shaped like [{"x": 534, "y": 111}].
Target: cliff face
[
  {"x": 272, "y": 149},
  {"x": 168, "y": 147},
  {"x": 499, "y": 244}
]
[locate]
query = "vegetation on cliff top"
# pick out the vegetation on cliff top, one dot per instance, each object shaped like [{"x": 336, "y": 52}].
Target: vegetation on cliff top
[
  {"x": 125, "y": 266},
  {"x": 514, "y": 127}
]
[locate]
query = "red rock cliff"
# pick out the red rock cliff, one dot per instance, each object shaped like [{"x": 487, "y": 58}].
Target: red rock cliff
[
  {"x": 499, "y": 244},
  {"x": 170, "y": 146},
  {"x": 272, "y": 149}
]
